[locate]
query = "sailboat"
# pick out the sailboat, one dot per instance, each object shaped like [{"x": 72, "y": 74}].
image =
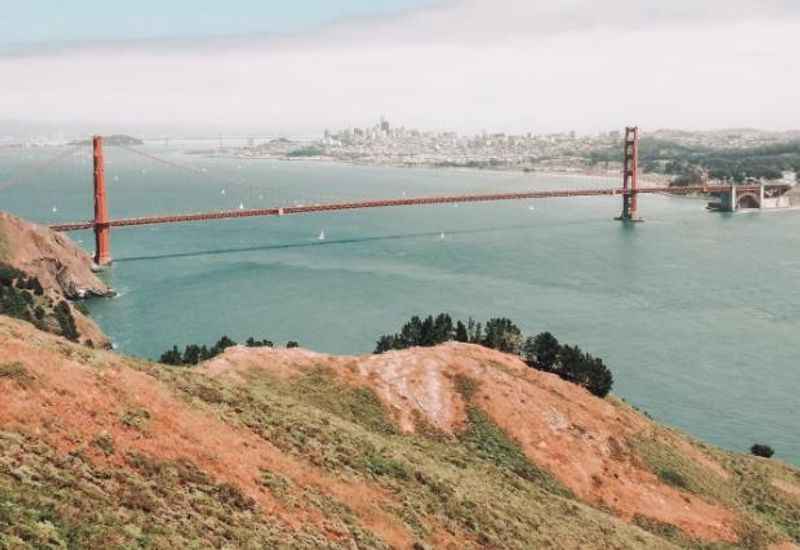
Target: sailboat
[
  {"x": 321, "y": 236},
  {"x": 55, "y": 210},
  {"x": 241, "y": 206},
  {"x": 441, "y": 236}
]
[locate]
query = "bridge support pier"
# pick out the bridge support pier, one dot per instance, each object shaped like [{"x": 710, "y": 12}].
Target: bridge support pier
[
  {"x": 102, "y": 230},
  {"x": 630, "y": 177},
  {"x": 729, "y": 200}
]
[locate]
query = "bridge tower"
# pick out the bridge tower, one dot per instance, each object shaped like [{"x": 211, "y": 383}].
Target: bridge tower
[
  {"x": 102, "y": 230},
  {"x": 630, "y": 177}
]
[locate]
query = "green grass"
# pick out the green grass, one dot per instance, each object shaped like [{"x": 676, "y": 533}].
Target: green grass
[
  {"x": 766, "y": 516},
  {"x": 477, "y": 486},
  {"x": 17, "y": 372},
  {"x": 4, "y": 244},
  {"x": 136, "y": 418},
  {"x": 359, "y": 405}
]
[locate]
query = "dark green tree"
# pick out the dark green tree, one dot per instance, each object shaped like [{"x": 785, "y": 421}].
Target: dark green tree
[
  {"x": 66, "y": 321},
  {"x": 764, "y": 451},
  {"x": 223, "y": 344},
  {"x": 475, "y": 331},
  {"x": 292, "y": 344},
  {"x": 411, "y": 333},
  {"x": 427, "y": 333},
  {"x": 253, "y": 343},
  {"x": 461, "y": 332},
  {"x": 171, "y": 357},
  {"x": 191, "y": 355},
  {"x": 443, "y": 330},
  {"x": 503, "y": 335},
  {"x": 541, "y": 351},
  {"x": 583, "y": 369},
  {"x": 386, "y": 343}
]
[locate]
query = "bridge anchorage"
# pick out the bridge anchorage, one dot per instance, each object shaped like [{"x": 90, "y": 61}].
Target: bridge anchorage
[{"x": 731, "y": 198}]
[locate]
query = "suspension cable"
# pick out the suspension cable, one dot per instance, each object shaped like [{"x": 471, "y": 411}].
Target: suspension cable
[
  {"x": 39, "y": 167},
  {"x": 179, "y": 166}
]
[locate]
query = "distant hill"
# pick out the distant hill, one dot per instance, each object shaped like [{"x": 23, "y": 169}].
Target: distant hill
[{"x": 114, "y": 140}]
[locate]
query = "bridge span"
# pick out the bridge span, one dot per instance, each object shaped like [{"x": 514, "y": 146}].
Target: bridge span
[
  {"x": 629, "y": 192},
  {"x": 387, "y": 203}
]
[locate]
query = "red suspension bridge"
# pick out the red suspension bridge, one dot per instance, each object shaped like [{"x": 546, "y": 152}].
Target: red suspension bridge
[{"x": 629, "y": 192}]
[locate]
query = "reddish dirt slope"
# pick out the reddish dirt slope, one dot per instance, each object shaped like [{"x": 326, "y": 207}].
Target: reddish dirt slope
[
  {"x": 68, "y": 403},
  {"x": 582, "y": 440}
]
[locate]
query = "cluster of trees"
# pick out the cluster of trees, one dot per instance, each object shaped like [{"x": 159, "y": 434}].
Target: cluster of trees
[
  {"x": 543, "y": 352},
  {"x": 500, "y": 334},
  {"x": 735, "y": 165},
  {"x": 66, "y": 321},
  {"x": 194, "y": 354},
  {"x": 17, "y": 291},
  {"x": 11, "y": 276},
  {"x": 689, "y": 164},
  {"x": 309, "y": 151}
]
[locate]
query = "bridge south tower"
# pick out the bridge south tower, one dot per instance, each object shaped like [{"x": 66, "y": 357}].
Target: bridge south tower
[
  {"x": 630, "y": 177},
  {"x": 102, "y": 237}
]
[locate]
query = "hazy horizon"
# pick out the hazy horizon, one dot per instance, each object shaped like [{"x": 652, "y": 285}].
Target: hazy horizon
[{"x": 465, "y": 66}]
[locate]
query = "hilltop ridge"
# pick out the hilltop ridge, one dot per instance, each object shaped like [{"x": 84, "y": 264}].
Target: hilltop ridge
[
  {"x": 455, "y": 446},
  {"x": 449, "y": 447}
]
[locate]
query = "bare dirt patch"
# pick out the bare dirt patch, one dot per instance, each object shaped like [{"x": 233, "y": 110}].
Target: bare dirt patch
[
  {"x": 578, "y": 438},
  {"x": 73, "y": 404}
]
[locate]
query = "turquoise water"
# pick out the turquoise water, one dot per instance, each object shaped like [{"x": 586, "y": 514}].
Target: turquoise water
[{"x": 697, "y": 314}]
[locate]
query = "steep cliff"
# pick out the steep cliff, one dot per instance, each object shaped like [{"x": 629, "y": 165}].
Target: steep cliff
[{"x": 42, "y": 273}]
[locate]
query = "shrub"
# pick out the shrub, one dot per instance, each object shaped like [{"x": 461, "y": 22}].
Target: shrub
[
  {"x": 66, "y": 321},
  {"x": 570, "y": 363},
  {"x": 194, "y": 354},
  {"x": 672, "y": 477},
  {"x": 541, "y": 351},
  {"x": 503, "y": 335},
  {"x": 764, "y": 451}
]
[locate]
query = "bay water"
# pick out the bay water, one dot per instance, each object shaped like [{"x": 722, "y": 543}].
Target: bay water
[{"x": 697, "y": 314}]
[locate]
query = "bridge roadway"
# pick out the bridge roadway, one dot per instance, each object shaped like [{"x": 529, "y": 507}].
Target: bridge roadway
[{"x": 445, "y": 199}]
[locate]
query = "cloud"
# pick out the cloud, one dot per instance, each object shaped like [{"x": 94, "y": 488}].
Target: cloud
[{"x": 515, "y": 65}]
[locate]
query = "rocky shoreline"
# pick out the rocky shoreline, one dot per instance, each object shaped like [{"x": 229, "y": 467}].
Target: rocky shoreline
[{"x": 46, "y": 274}]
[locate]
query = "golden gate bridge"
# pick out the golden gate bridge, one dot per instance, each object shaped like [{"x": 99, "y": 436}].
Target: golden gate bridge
[{"x": 629, "y": 192}]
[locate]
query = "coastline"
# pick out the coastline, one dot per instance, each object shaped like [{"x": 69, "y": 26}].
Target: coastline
[{"x": 656, "y": 179}]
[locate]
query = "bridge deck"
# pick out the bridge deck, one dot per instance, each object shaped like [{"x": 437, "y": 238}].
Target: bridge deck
[{"x": 445, "y": 199}]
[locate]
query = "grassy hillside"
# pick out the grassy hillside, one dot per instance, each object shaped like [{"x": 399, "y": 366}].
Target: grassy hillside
[{"x": 290, "y": 449}]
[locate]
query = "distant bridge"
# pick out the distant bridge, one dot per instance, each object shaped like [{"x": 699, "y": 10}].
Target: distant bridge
[
  {"x": 746, "y": 193},
  {"x": 732, "y": 197}
]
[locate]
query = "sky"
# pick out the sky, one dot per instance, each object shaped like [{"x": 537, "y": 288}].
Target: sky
[
  {"x": 299, "y": 67},
  {"x": 57, "y": 21}
]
